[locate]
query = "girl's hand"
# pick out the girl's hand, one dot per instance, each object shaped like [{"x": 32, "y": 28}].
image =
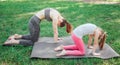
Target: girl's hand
[
  {"x": 96, "y": 54},
  {"x": 90, "y": 47}
]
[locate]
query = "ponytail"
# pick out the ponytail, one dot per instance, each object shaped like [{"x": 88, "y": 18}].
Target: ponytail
[{"x": 68, "y": 27}]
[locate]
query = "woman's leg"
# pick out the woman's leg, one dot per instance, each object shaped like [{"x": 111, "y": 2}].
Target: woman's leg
[
  {"x": 27, "y": 40},
  {"x": 27, "y": 37},
  {"x": 21, "y": 42},
  {"x": 34, "y": 32}
]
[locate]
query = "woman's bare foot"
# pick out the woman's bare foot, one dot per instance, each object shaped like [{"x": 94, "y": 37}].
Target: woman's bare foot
[
  {"x": 61, "y": 54},
  {"x": 12, "y": 41},
  {"x": 11, "y": 37},
  {"x": 15, "y": 36},
  {"x": 59, "y": 48}
]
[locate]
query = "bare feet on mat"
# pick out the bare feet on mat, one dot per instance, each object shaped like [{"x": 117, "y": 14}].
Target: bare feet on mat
[
  {"x": 11, "y": 37},
  {"x": 11, "y": 42},
  {"x": 15, "y": 36},
  {"x": 61, "y": 54},
  {"x": 59, "y": 48}
]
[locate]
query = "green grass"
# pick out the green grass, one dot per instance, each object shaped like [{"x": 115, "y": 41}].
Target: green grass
[
  {"x": 112, "y": 0},
  {"x": 14, "y": 16}
]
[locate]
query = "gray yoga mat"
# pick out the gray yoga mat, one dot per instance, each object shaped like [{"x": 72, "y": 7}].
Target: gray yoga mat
[{"x": 44, "y": 48}]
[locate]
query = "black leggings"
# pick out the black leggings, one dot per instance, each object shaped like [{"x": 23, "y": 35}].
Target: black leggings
[{"x": 34, "y": 28}]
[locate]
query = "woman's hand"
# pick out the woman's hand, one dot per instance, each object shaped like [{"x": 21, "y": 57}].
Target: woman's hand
[{"x": 59, "y": 38}]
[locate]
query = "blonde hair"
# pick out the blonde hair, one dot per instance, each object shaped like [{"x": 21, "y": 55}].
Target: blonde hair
[{"x": 102, "y": 39}]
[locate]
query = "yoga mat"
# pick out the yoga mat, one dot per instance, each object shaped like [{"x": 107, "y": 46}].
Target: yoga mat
[{"x": 44, "y": 48}]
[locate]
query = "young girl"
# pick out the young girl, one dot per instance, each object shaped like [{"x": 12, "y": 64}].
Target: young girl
[
  {"x": 78, "y": 49},
  {"x": 34, "y": 28}
]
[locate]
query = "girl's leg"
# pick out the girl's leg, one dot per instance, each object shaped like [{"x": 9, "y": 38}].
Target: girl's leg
[
  {"x": 74, "y": 52},
  {"x": 79, "y": 45},
  {"x": 70, "y": 47}
]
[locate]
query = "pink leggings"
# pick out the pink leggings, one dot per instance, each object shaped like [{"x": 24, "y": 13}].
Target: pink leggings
[{"x": 77, "y": 49}]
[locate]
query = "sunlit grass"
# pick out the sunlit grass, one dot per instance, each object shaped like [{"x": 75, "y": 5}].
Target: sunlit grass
[
  {"x": 15, "y": 14},
  {"x": 113, "y": 0}
]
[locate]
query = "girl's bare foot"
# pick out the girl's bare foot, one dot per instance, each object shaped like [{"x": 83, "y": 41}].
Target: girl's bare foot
[
  {"x": 59, "y": 48},
  {"x": 62, "y": 53}
]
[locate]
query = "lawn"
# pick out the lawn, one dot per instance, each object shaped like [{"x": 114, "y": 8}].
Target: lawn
[{"x": 14, "y": 16}]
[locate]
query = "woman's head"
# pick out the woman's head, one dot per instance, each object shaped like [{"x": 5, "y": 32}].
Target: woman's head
[
  {"x": 62, "y": 24},
  {"x": 102, "y": 38},
  {"x": 65, "y": 23}
]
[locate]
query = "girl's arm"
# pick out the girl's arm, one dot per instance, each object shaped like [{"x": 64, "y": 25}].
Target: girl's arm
[
  {"x": 95, "y": 42},
  {"x": 90, "y": 41},
  {"x": 55, "y": 29}
]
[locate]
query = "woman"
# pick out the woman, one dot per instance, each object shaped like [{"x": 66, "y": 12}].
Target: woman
[
  {"x": 49, "y": 14},
  {"x": 78, "y": 49}
]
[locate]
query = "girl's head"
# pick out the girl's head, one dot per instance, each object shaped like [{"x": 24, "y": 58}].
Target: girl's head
[
  {"x": 65, "y": 23},
  {"x": 101, "y": 38}
]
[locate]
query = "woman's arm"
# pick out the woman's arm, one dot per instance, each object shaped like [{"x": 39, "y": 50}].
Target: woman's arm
[{"x": 55, "y": 29}]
